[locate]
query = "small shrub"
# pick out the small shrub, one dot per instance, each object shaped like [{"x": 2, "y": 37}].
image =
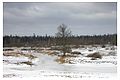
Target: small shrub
[
  {"x": 106, "y": 48},
  {"x": 82, "y": 46},
  {"x": 112, "y": 48},
  {"x": 66, "y": 49},
  {"x": 93, "y": 58},
  {"x": 8, "y": 49},
  {"x": 90, "y": 50},
  {"x": 103, "y": 46},
  {"x": 111, "y": 54},
  {"x": 8, "y": 75},
  {"x": 30, "y": 56},
  {"x": 53, "y": 53},
  {"x": 27, "y": 62},
  {"x": 61, "y": 59},
  {"x": 95, "y": 55},
  {"x": 75, "y": 52},
  {"x": 76, "y": 46},
  {"x": 15, "y": 54}
]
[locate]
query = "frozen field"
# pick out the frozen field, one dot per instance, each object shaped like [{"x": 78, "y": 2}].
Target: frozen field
[{"x": 42, "y": 65}]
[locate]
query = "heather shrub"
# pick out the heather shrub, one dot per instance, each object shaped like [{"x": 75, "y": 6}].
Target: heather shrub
[{"x": 95, "y": 55}]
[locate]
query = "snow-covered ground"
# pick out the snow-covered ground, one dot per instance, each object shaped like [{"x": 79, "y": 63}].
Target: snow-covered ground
[{"x": 45, "y": 65}]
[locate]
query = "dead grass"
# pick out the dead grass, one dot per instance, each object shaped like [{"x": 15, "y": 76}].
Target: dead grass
[
  {"x": 30, "y": 56},
  {"x": 18, "y": 54},
  {"x": 8, "y": 49},
  {"x": 27, "y": 62},
  {"x": 75, "y": 54},
  {"x": 15, "y": 54},
  {"x": 63, "y": 59}
]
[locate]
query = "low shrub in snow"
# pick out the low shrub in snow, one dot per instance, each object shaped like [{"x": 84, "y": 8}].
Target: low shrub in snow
[
  {"x": 8, "y": 49},
  {"x": 76, "y": 46},
  {"x": 75, "y": 52},
  {"x": 103, "y": 46},
  {"x": 16, "y": 54},
  {"x": 111, "y": 54},
  {"x": 64, "y": 59},
  {"x": 93, "y": 58},
  {"x": 90, "y": 50},
  {"x": 107, "y": 48},
  {"x": 30, "y": 56},
  {"x": 61, "y": 59},
  {"x": 95, "y": 55},
  {"x": 53, "y": 53},
  {"x": 112, "y": 48},
  {"x": 25, "y": 62},
  {"x": 8, "y": 75}
]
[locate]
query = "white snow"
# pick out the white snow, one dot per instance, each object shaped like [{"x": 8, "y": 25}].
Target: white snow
[{"x": 46, "y": 66}]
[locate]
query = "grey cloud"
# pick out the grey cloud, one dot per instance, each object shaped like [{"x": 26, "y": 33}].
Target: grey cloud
[{"x": 44, "y": 18}]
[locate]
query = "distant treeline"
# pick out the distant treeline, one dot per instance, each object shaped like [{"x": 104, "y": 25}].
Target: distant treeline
[{"x": 44, "y": 41}]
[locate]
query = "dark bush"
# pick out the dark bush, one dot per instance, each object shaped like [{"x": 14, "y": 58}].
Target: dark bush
[
  {"x": 8, "y": 49},
  {"x": 90, "y": 50},
  {"x": 16, "y": 54},
  {"x": 103, "y": 46},
  {"x": 112, "y": 48},
  {"x": 95, "y": 55},
  {"x": 54, "y": 53},
  {"x": 75, "y": 52},
  {"x": 27, "y": 62},
  {"x": 93, "y": 58}
]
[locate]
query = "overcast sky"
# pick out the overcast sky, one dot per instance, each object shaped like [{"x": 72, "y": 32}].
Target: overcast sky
[{"x": 44, "y": 18}]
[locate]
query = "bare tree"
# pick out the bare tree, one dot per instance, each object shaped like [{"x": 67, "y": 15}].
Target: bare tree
[{"x": 63, "y": 34}]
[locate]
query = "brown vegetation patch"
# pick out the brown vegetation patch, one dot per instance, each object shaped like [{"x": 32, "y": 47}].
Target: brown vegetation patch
[
  {"x": 8, "y": 49},
  {"x": 53, "y": 53},
  {"x": 75, "y": 52},
  {"x": 61, "y": 59},
  {"x": 64, "y": 59},
  {"x": 93, "y": 58},
  {"x": 27, "y": 62},
  {"x": 16, "y": 54},
  {"x": 30, "y": 56},
  {"x": 90, "y": 50},
  {"x": 95, "y": 55}
]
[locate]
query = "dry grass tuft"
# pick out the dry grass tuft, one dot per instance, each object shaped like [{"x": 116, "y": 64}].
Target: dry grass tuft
[
  {"x": 15, "y": 54},
  {"x": 18, "y": 54},
  {"x": 61, "y": 59},
  {"x": 26, "y": 62}
]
